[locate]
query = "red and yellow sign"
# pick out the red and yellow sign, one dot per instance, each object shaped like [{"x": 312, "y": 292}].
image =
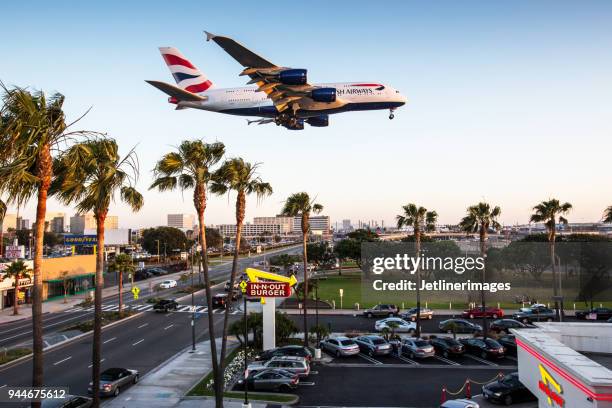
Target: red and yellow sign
[
  {"x": 549, "y": 386},
  {"x": 268, "y": 289}
]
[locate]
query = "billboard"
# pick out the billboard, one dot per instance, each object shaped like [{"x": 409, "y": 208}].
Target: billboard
[{"x": 14, "y": 252}]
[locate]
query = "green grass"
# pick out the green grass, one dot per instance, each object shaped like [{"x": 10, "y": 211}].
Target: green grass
[
  {"x": 350, "y": 282},
  {"x": 13, "y": 354}
]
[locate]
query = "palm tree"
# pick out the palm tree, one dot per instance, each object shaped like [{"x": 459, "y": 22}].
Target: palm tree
[
  {"x": 549, "y": 212},
  {"x": 607, "y": 214},
  {"x": 419, "y": 219},
  {"x": 481, "y": 218},
  {"x": 17, "y": 270},
  {"x": 90, "y": 174},
  {"x": 237, "y": 175},
  {"x": 122, "y": 263},
  {"x": 300, "y": 205},
  {"x": 2, "y": 214},
  {"x": 190, "y": 168},
  {"x": 32, "y": 129}
]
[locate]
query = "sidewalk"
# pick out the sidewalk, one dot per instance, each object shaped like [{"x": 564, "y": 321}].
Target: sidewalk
[{"x": 166, "y": 385}]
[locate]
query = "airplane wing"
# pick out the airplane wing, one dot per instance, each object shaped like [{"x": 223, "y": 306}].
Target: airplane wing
[{"x": 286, "y": 87}]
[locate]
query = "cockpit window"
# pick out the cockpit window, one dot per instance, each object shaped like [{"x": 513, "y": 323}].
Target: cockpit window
[{"x": 380, "y": 88}]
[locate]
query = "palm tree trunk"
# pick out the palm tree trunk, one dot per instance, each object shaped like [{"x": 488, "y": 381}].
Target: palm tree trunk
[
  {"x": 200, "y": 204},
  {"x": 44, "y": 172},
  {"x": 16, "y": 300},
  {"x": 97, "y": 327},
  {"x": 240, "y": 212},
  {"x": 417, "y": 239},
  {"x": 305, "y": 228},
  {"x": 483, "y": 253},
  {"x": 1, "y": 237},
  {"x": 120, "y": 293}
]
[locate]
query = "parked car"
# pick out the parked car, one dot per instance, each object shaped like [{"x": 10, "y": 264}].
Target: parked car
[
  {"x": 459, "y": 403},
  {"x": 460, "y": 326},
  {"x": 164, "y": 305},
  {"x": 156, "y": 271},
  {"x": 447, "y": 346},
  {"x": 381, "y": 310},
  {"x": 485, "y": 348},
  {"x": 598, "y": 313},
  {"x": 411, "y": 314},
  {"x": 219, "y": 301},
  {"x": 168, "y": 283},
  {"x": 294, "y": 364},
  {"x": 340, "y": 346},
  {"x": 142, "y": 274},
  {"x": 402, "y": 326},
  {"x": 509, "y": 343},
  {"x": 504, "y": 325},
  {"x": 113, "y": 379},
  {"x": 271, "y": 380},
  {"x": 68, "y": 401},
  {"x": 507, "y": 390},
  {"x": 479, "y": 311},
  {"x": 373, "y": 345},
  {"x": 291, "y": 350},
  {"x": 417, "y": 348},
  {"x": 528, "y": 315}
]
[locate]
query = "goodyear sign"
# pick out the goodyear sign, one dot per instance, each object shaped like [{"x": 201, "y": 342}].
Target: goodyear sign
[{"x": 71, "y": 240}]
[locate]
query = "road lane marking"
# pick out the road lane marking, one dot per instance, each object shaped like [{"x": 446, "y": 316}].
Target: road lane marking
[
  {"x": 167, "y": 327},
  {"x": 61, "y": 361},
  {"x": 184, "y": 308},
  {"x": 138, "y": 342},
  {"x": 446, "y": 360},
  {"x": 481, "y": 360},
  {"x": 109, "y": 340},
  {"x": 142, "y": 325},
  {"x": 91, "y": 365},
  {"x": 2, "y": 386},
  {"x": 368, "y": 358}
]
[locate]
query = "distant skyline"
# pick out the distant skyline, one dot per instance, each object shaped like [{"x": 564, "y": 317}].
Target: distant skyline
[{"x": 508, "y": 102}]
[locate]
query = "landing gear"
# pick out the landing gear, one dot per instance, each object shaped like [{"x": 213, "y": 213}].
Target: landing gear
[{"x": 391, "y": 115}]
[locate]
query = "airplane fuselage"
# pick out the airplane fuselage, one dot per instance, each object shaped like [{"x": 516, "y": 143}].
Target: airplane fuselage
[{"x": 248, "y": 101}]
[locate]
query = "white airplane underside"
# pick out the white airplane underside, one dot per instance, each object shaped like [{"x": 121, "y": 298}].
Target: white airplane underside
[{"x": 282, "y": 95}]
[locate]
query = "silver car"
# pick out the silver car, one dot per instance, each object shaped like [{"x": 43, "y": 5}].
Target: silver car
[
  {"x": 340, "y": 346},
  {"x": 460, "y": 403},
  {"x": 373, "y": 345},
  {"x": 293, "y": 364},
  {"x": 271, "y": 380},
  {"x": 418, "y": 348},
  {"x": 113, "y": 379}
]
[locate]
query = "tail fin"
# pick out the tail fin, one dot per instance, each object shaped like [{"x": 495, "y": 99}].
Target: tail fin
[{"x": 186, "y": 75}]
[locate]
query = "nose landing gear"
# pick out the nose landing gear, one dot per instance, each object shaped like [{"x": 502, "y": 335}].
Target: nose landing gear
[{"x": 391, "y": 115}]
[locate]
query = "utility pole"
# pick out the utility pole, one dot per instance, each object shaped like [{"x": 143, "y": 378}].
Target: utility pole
[
  {"x": 246, "y": 340},
  {"x": 193, "y": 347}
]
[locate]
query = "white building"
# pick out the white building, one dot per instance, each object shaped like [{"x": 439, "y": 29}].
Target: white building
[
  {"x": 286, "y": 223},
  {"x": 181, "y": 221},
  {"x": 249, "y": 230},
  {"x": 319, "y": 224}
]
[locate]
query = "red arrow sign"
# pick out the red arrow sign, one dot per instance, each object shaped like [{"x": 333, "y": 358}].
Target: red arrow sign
[{"x": 268, "y": 289}]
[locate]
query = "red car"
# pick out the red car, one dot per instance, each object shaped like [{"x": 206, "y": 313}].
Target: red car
[{"x": 479, "y": 311}]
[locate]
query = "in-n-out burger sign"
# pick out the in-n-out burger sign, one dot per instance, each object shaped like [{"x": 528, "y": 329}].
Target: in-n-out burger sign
[
  {"x": 268, "y": 289},
  {"x": 549, "y": 386}
]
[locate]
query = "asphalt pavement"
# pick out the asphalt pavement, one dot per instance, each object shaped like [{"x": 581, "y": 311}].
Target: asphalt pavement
[{"x": 141, "y": 342}]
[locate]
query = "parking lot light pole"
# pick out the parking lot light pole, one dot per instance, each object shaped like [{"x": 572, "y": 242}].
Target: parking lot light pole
[{"x": 193, "y": 346}]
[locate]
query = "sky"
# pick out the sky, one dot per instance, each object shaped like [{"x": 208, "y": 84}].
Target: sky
[{"x": 508, "y": 102}]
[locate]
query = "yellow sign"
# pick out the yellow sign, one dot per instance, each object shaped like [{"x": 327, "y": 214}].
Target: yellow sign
[
  {"x": 135, "y": 291},
  {"x": 255, "y": 274},
  {"x": 549, "y": 386},
  {"x": 243, "y": 286}
]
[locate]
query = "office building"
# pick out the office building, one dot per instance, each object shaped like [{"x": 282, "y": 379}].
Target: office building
[
  {"x": 181, "y": 221},
  {"x": 57, "y": 225},
  {"x": 249, "y": 230},
  {"x": 346, "y": 226},
  {"x": 285, "y": 223},
  {"x": 319, "y": 224},
  {"x": 79, "y": 223}
]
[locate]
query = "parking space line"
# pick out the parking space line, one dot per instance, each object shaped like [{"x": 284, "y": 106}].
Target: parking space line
[
  {"x": 138, "y": 342},
  {"x": 143, "y": 325},
  {"x": 368, "y": 358},
  {"x": 109, "y": 340},
  {"x": 91, "y": 365},
  {"x": 167, "y": 327},
  {"x": 446, "y": 360},
  {"x": 481, "y": 360},
  {"x": 406, "y": 360}
]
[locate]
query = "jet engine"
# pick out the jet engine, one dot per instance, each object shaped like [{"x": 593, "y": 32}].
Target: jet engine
[
  {"x": 318, "y": 121},
  {"x": 324, "y": 94},
  {"x": 293, "y": 77}
]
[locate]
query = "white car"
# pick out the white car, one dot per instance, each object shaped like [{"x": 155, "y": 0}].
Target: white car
[
  {"x": 167, "y": 284},
  {"x": 401, "y": 326}
]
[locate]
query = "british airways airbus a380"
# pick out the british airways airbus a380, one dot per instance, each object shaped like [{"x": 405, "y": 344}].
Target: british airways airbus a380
[{"x": 282, "y": 96}]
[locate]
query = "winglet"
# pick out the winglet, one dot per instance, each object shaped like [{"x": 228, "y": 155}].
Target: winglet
[{"x": 209, "y": 36}]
